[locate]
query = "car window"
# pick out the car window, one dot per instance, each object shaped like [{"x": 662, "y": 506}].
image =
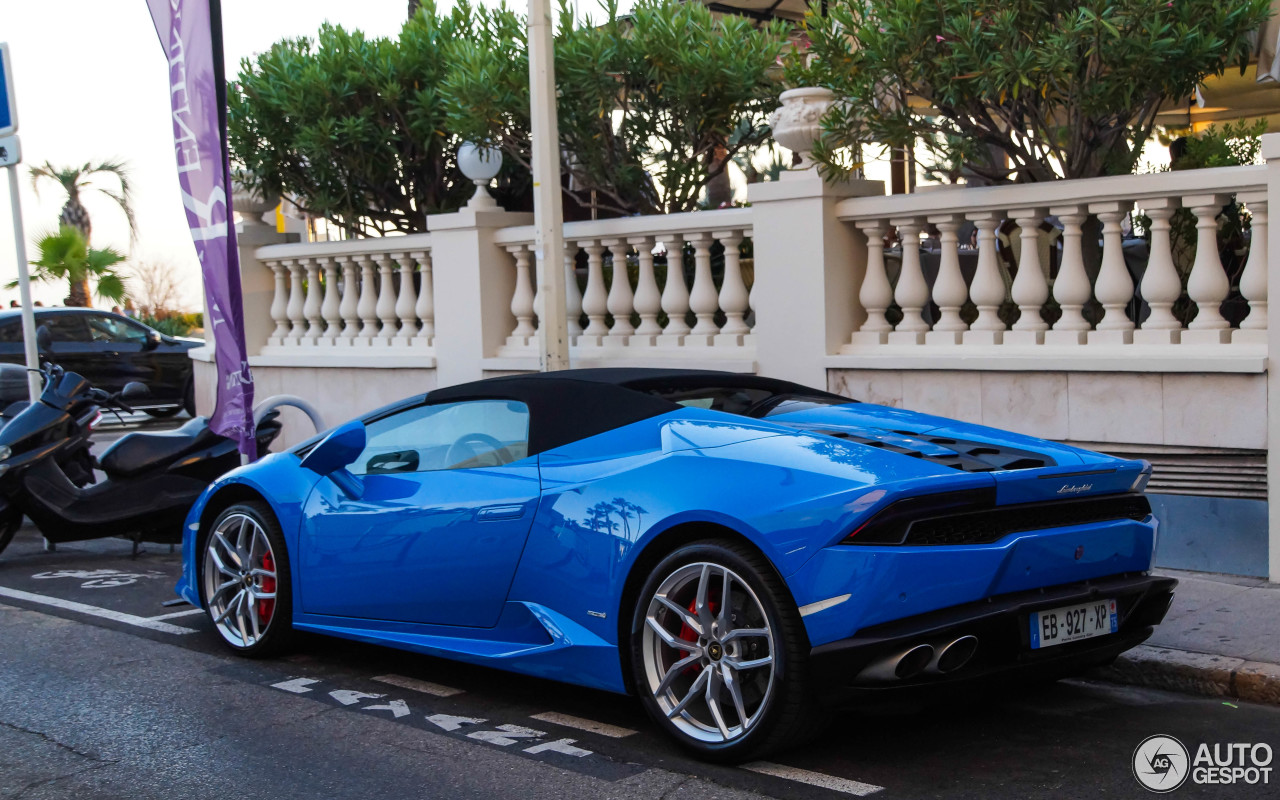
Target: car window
[
  {"x": 64, "y": 328},
  {"x": 426, "y": 438},
  {"x": 11, "y": 331},
  {"x": 115, "y": 330}
]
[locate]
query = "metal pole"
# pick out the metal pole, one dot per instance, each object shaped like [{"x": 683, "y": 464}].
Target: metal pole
[
  {"x": 548, "y": 215},
  {"x": 24, "y": 289}
]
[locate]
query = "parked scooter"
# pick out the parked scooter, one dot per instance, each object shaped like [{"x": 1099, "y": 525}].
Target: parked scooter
[{"x": 152, "y": 478}]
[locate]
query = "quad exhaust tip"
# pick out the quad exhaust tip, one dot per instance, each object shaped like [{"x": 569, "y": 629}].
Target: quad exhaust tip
[
  {"x": 957, "y": 654},
  {"x": 913, "y": 662}
]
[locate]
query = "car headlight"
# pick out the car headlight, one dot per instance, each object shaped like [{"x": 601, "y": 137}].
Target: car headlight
[{"x": 5, "y": 452}]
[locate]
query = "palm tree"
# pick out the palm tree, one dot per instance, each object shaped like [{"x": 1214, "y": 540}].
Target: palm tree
[
  {"x": 74, "y": 215},
  {"x": 66, "y": 256}
]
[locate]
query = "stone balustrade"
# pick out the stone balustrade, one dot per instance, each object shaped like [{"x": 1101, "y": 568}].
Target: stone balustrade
[
  {"x": 1019, "y": 283},
  {"x": 376, "y": 295},
  {"x": 642, "y": 287}
]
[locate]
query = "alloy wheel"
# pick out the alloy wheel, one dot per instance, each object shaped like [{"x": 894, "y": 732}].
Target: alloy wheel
[
  {"x": 240, "y": 580},
  {"x": 708, "y": 653}
]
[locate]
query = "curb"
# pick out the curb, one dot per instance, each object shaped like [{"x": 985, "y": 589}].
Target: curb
[{"x": 1195, "y": 673}]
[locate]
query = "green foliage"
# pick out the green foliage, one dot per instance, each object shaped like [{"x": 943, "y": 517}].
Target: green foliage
[
  {"x": 172, "y": 324},
  {"x": 649, "y": 103},
  {"x": 1232, "y": 145},
  {"x": 65, "y": 256},
  {"x": 355, "y": 128},
  {"x": 364, "y": 131},
  {"x": 1058, "y": 89}
]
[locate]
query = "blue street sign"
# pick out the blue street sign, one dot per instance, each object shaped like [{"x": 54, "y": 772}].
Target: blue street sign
[{"x": 8, "y": 108}]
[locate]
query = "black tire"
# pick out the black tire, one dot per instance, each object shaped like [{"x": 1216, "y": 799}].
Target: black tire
[
  {"x": 10, "y": 521},
  {"x": 162, "y": 413},
  {"x": 784, "y": 714},
  {"x": 278, "y": 634},
  {"x": 189, "y": 398}
]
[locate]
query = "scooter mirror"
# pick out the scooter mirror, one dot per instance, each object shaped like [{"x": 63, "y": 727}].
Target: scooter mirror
[{"x": 133, "y": 390}]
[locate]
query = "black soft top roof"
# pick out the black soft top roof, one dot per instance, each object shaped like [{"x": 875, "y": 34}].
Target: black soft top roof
[{"x": 569, "y": 405}]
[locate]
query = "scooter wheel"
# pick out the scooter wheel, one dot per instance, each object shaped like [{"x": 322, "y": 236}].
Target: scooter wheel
[{"x": 245, "y": 581}]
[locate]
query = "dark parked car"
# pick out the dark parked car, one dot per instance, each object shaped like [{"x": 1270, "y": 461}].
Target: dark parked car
[{"x": 109, "y": 350}]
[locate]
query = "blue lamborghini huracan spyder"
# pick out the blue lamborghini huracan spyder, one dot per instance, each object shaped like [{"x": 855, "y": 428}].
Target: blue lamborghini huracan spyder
[{"x": 742, "y": 553}]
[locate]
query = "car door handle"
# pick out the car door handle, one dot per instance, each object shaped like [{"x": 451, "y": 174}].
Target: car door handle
[{"x": 494, "y": 513}]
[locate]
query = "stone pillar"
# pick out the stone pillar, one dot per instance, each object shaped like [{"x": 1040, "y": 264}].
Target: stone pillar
[
  {"x": 808, "y": 267},
  {"x": 474, "y": 283}
]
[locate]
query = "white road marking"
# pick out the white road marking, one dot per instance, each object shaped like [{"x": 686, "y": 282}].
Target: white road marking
[
  {"x": 349, "y": 698},
  {"x": 845, "y": 785},
  {"x": 823, "y": 605},
  {"x": 398, "y": 708},
  {"x": 590, "y": 726},
  {"x": 426, "y": 687},
  {"x": 449, "y": 722},
  {"x": 505, "y": 735},
  {"x": 296, "y": 685},
  {"x": 94, "y": 611},
  {"x": 564, "y": 746},
  {"x": 184, "y": 613}
]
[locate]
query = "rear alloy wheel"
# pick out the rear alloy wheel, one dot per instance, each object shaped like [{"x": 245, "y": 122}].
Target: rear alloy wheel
[
  {"x": 245, "y": 580},
  {"x": 718, "y": 653}
]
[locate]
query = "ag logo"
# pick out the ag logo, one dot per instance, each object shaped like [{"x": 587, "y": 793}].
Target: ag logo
[{"x": 1160, "y": 763}]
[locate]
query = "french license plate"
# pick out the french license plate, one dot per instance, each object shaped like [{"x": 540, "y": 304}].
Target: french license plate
[{"x": 1072, "y": 623}]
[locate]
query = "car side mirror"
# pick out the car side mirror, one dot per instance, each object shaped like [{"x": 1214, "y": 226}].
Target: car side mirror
[
  {"x": 44, "y": 338},
  {"x": 134, "y": 390},
  {"x": 153, "y": 340},
  {"x": 335, "y": 452}
]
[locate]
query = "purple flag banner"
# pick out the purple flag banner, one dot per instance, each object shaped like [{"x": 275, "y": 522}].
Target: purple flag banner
[{"x": 197, "y": 93}]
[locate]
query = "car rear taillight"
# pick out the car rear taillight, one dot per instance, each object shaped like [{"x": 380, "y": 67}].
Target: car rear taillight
[{"x": 890, "y": 524}]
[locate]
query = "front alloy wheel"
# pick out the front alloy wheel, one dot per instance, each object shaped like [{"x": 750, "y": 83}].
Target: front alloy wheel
[
  {"x": 717, "y": 657},
  {"x": 245, "y": 580}
]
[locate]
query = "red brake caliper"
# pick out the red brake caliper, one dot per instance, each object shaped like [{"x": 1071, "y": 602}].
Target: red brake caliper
[
  {"x": 688, "y": 634},
  {"x": 265, "y": 607}
]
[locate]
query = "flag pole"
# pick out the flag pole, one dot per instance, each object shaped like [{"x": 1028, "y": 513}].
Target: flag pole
[{"x": 548, "y": 215}]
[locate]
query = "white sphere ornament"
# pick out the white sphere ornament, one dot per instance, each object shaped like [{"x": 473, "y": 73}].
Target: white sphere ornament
[
  {"x": 797, "y": 123},
  {"x": 480, "y": 164}
]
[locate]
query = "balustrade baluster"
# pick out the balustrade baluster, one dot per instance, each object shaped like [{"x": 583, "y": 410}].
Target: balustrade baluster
[
  {"x": 332, "y": 299},
  {"x": 1253, "y": 283},
  {"x": 1030, "y": 287},
  {"x": 1114, "y": 286},
  {"x": 988, "y": 290},
  {"x": 620, "y": 298},
  {"x": 367, "y": 306},
  {"x": 386, "y": 306},
  {"x": 595, "y": 300},
  {"x": 1207, "y": 285},
  {"x": 406, "y": 301},
  {"x": 297, "y": 270},
  {"x": 733, "y": 291},
  {"x": 675, "y": 293},
  {"x": 573, "y": 294},
  {"x": 911, "y": 293},
  {"x": 875, "y": 294},
  {"x": 521, "y": 299},
  {"x": 1071, "y": 288},
  {"x": 311, "y": 306},
  {"x": 648, "y": 299},
  {"x": 704, "y": 301},
  {"x": 949, "y": 290},
  {"x": 425, "y": 309},
  {"x": 349, "y": 308},
  {"x": 279, "y": 303},
  {"x": 1160, "y": 286}
]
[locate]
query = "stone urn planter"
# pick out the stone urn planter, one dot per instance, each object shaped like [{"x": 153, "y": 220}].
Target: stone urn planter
[
  {"x": 797, "y": 123},
  {"x": 249, "y": 204}
]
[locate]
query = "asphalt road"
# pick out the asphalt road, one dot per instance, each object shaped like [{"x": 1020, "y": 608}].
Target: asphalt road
[{"x": 99, "y": 698}]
